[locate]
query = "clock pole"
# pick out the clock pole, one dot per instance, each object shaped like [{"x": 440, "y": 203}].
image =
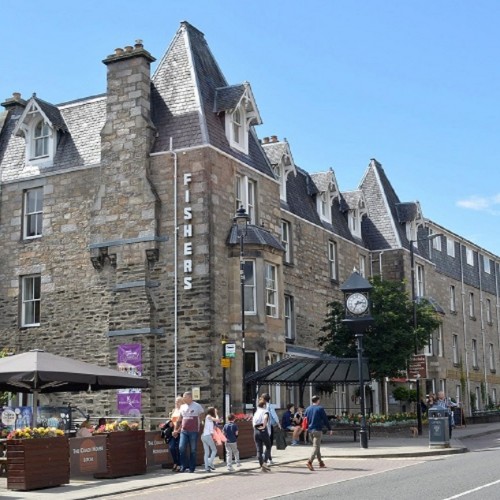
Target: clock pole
[{"x": 358, "y": 318}]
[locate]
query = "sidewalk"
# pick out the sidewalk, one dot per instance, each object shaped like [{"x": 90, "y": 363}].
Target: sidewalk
[{"x": 332, "y": 447}]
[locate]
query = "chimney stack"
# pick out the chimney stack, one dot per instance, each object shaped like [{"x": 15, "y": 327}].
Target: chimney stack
[{"x": 15, "y": 100}]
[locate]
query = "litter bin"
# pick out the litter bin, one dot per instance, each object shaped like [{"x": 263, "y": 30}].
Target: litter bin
[{"x": 439, "y": 428}]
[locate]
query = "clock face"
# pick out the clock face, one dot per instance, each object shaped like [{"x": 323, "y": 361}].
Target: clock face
[{"x": 357, "y": 303}]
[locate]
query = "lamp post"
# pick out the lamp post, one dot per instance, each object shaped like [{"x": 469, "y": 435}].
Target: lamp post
[
  {"x": 415, "y": 322},
  {"x": 241, "y": 220}
]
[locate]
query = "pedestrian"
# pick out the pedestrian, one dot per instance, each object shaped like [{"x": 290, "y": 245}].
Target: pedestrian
[
  {"x": 272, "y": 422},
  {"x": 173, "y": 443},
  {"x": 316, "y": 420},
  {"x": 85, "y": 430},
  {"x": 297, "y": 422},
  {"x": 190, "y": 414},
  {"x": 211, "y": 420},
  {"x": 230, "y": 430},
  {"x": 443, "y": 403},
  {"x": 261, "y": 434}
]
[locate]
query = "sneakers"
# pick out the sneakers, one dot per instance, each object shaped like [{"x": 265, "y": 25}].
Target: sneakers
[
  {"x": 295, "y": 443},
  {"x": 238, "y": 464},
  {"x": 322, "y": 464},
  {"x": 211, "y": 467},
  {"x": 208, "y": 470},
  {"x": 230, "y": 468},
  {"x": 310, "y": 465},
  {"x": 270, "y": 462},
  {"x": 265, "y": 468}
]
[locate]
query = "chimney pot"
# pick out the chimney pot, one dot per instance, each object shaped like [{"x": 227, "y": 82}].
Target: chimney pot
[
  {"x": 274, "y": 138},
  {"x": 138, "y": 44},
  {"x": 16, "y": 96},
  {"x": 129, "y": 48},
  {"x": 119, "y": 51},
  {"x": 265, "y": 140}
]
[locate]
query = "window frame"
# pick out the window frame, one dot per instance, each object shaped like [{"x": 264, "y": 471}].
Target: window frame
[
  {"x": 245, "y": 195},
  {"x": 250, "y": 288},
  {"x": 420, "y": 280},
  {"x": 286, "y": 241},
  {"x": 362, "y": 265},
  {"x": 486, "y": 268},
  {"x": 491, "y": 357},
  {"x": 271, "y": 289},
  {"x": 288, "y": 315},
  {"x": 450, "y": 247},
  {"x": 332, "y": 260},
  {"x": 469, "y": 256},
  {"x": 472, "y": 308},
  {"x": 42, "y": 138},
  {"x": 474, "y": 354},
  {"x": 453, "y": 299},
  {"x": 35, "y": 288},
  {"x": 36, "y": 214},
  {"x": 488, "y": 311},
  {"x": 454, "y": 346}
]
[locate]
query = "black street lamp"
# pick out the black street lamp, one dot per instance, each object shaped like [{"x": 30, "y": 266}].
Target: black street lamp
[
  {"x": 415, "y": 322},
  {"x": 358, "y": 318},
  {"x": 241, "y": 220}
]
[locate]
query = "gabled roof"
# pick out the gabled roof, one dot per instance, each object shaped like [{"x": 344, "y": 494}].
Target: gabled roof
[
  {"x": 352, "y": 200},
  {"x": 408, "y": 212},
  {"x": 49, "y": 112},
  {"x": 279, "y": 152},
  {"x": 326, "y": 181},
  {"x": 188, "y": 86},
  {"x": 227, "y": 99}
]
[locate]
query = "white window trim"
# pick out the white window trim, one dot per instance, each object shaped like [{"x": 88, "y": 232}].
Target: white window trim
[
  {"x": 491, "y": 357},
  {"x": 420, "y": 283},
  {"x": 240, "y": 143},
  {"x": 354, "y": 221},
  {"x": 271, "y": 287},
  {"x": 252, "y": 287},
  {"x": 450, "y": 247},
  {"x": 332, "y": 260},
  {"x": 472, "y": 307},
  {"x": 289, "y": 318},
  {"x": 488, "y": 310},
  {"x": 469, "y": 256},
  {"x": 474, "y": 353},
  {"x": 362, "y": 265},
  {"x": 453, "y": 299},
  {"x": 486, "y": 265},
  {"x": 37, "y": 214},
  {"x": 454, "y": 345},
  {"x": 26, "y": 301},
  {"x": 285, "y": 240},
  {"x": 246, "y": 193}
]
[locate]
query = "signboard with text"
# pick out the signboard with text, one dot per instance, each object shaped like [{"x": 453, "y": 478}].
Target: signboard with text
[
  {"x": 87, "y": 455},
  {"x": 417, "y": 367}
]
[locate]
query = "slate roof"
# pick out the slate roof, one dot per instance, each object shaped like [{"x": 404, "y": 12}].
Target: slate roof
[
  {"x": 185, "y": 87},
  {"x": 80, "y": 145},
  {"x": 276, "y": 150},
  {"x": 381, "y": 230},
  {"x": 255, "y": 236},
  {"x": 227, "y": 98},
  {"x": 324, "y": 181},
  {"x": 52, "y": 113},
  {"x": 407, "y": 211}
]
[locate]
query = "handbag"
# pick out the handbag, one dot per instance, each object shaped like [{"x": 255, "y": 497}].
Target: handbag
[
  {"x": 218, "y": 436},
  {"x": 305, "y": 424},
  {"x": 279, "y": 434}
]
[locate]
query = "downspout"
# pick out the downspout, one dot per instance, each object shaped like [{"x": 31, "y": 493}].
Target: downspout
[
  {"x": 464, "y": 322},
  {"x": 176, "y": 285}
]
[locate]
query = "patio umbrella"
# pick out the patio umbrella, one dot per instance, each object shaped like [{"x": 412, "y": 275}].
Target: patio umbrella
[{"x": 41, "y": 372}]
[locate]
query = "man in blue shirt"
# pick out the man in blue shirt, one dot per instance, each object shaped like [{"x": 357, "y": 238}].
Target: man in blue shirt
[{"x": 316, "y": 420}]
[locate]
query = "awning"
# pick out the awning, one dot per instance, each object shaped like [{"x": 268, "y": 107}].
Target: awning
[{"x": 308, "y": 371}]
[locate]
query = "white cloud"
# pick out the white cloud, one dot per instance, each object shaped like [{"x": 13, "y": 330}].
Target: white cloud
[{"x": 488, "y": 204}]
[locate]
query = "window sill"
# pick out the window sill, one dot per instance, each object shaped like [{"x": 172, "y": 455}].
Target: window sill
[
  {"x": 475, "y": 368},
  {"x": 454, "y": 312},
  {"x": 456, "y": 365},
  {"x": 472, "y": 318},
  {"x": 493, "y": 370},
  {"x": 289, "y": 264},
  {"x": 289, "y": 340}
]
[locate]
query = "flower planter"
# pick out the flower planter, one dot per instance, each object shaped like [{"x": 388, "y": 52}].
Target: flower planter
[
  {"x": 37, "y": 463},
  {"x": 246, "y": 442},
  {"x": 125, "y": 454}
]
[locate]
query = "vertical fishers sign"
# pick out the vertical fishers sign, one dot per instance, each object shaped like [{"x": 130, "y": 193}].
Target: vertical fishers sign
[{"x": 130, "y": 362}]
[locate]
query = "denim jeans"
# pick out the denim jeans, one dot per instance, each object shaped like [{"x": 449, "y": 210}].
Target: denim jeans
[
  {"x": 173, "y": 446},
  {"x": 262, "y": 441},
  {"x": 210, "y": 450},
  {"x": 188, "y": 438}
]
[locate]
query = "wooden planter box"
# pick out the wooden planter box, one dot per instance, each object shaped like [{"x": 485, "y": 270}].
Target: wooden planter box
[
  {"x": 37, "y": 463},
  {"x": 125, "y": 454},
  {"x": 246, "y": 442}
]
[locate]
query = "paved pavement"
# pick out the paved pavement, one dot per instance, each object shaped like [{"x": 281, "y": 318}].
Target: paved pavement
[{"x": 336, "y": 446}]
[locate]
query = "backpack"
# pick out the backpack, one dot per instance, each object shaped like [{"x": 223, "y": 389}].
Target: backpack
[{"x": 166, "y": 431}]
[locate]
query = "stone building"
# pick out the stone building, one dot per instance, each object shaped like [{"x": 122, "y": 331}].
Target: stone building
[{"x": 116, "y": 232}]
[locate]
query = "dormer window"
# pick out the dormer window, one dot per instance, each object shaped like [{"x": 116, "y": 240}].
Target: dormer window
[
  {"x": 240, "y": 111},
  {"x": 41, "y": 137},
  {"x": 39, "y": 125},
  {"x": 323, "y": 202}
]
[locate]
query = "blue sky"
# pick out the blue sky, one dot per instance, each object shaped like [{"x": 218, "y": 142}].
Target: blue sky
[{"x": 415, "y": 85}]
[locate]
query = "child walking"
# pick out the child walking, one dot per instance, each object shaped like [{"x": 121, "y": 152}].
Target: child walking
[{"x": 230, "y": 430}]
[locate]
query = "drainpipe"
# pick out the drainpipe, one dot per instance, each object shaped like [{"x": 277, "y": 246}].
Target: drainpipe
[
  {"x": 176, "y": 285},
  {"x": 464, "y": 322},
  {"x": 481, "y": 318}
]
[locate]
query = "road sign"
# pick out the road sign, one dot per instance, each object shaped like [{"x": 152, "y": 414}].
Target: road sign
[
  {"x": 417, "y": 367},
  {"x": 225, "y": 362},
  {"x": 230, "y": 351}
]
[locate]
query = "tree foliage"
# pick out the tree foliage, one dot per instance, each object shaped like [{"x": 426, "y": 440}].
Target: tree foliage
[{"x": 391, "y": 340}]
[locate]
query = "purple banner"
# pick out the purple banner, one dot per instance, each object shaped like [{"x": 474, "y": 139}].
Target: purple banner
[{"x": 130, "y": 361}]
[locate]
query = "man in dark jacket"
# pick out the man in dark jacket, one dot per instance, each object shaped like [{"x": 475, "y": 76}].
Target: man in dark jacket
[{"x": 316, "y": 420}]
